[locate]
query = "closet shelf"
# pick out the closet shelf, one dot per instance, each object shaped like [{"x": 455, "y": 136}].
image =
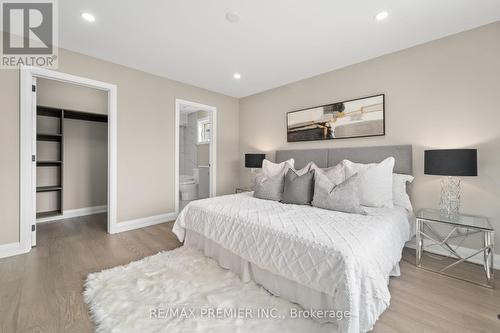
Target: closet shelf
[
  {"x": 48, "y": 163},
  {"x": 42, "y": 215},
  {"x": 48, "y": 137},
  {"x": 57, "y": 136},
  {"x": 48, "y": 188},
  {"x": 60, "y": 116},
  {"x": 78, "y": 115},
  {"x": 48, "y": 111}
]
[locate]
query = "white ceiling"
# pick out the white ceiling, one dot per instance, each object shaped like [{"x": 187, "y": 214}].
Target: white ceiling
[{"x": 274, "y": 43}]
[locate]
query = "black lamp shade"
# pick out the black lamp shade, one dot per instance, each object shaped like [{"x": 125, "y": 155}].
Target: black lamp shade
[
  {"x": 451, "y": 162},
  {"x": 254, "y": 160}
]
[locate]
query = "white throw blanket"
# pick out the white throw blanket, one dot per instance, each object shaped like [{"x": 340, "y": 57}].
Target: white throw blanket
[{"x": 347, "y": 256}]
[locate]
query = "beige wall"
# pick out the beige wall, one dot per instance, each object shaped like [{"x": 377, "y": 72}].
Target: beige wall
[
  {"x": 9, "y": 150},
  {"x": 71, "y": 96},
  {"x": 146, "y": 111},
  {"x": 443, "y": 94},
  {"x": 203, "y": 152},
  {"x": 85, "y": 164}
]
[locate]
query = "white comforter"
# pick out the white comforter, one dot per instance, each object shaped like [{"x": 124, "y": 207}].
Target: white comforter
[{"x": 347, "y": 256}]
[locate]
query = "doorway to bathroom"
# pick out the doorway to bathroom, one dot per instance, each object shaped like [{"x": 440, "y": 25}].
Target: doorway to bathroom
[{"x": 195, "y": 145}]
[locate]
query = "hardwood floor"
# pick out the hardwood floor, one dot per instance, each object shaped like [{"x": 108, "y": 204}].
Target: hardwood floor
[
  {"x": 42, "y": 291},
  {"x": 423, "y": 301}
]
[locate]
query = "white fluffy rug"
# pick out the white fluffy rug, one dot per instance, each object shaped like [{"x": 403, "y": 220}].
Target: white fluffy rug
[{"x": 183, "y": 291}]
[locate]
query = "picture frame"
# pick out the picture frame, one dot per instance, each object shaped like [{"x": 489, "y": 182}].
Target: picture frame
[{"x": 355, "y": 118}]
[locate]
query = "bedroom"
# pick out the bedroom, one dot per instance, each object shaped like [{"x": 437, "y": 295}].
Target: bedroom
[{"x": 439, "y": 79}]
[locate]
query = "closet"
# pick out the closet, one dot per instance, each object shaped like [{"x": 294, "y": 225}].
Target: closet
[{"x": 50, "y": 156}]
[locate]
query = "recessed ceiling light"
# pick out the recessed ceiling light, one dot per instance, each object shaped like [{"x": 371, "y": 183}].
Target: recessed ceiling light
[
  {"x": 382, "y": 16},
  {"x": 237, "y": 76},
  {"x": 232, "y": 17},
  {"x": 88, "y": 17}
]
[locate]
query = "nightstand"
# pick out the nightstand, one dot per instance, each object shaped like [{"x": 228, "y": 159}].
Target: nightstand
[
  {"x": 243, "y": 189},
  {"x": 442, "y": 234}
]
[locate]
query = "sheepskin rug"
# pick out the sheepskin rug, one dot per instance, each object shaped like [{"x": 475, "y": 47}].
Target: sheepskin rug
[{"x": 184, "y": 291}]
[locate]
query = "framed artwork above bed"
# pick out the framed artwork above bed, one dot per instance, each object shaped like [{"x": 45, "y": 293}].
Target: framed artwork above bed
[{"x": 355, "y": 118}]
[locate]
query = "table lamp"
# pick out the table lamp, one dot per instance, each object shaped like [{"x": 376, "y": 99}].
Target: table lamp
[
  {"x": 452, "y": 163},
  {"x": 254, "y": 162}
]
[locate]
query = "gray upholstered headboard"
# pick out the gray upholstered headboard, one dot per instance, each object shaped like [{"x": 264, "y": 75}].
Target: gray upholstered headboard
[{"x": 331, "y": 156}]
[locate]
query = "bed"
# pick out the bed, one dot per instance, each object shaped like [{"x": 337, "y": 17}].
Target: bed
[{"x": 318, "y": 258}]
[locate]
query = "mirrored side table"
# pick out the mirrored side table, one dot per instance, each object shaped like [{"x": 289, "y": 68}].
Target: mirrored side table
[
  {"x": 243, "y": 189},
  {"x": 439, "y": 245}
]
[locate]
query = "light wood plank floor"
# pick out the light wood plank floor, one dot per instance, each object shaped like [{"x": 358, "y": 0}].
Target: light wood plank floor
[{"x": 42, "y": 291}]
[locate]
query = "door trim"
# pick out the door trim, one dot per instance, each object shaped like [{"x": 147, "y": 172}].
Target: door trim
[{"x": 27, "y": 182}]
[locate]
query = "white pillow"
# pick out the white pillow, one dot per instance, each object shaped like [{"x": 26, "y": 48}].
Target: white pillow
[
  {"x": 375, "y": 181},
  {"x": 399, "y": 194},
  {"x": 335, "y": 173},
  {"x": 270, "y": 169}
]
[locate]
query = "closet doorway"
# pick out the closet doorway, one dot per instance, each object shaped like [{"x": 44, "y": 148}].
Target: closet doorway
[
  {"x": 60, "y": 173},
  {"x": 195, "y": 151}
]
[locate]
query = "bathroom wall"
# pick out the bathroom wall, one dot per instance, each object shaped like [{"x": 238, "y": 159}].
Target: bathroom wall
[
  {"x": 203, "y": 151},
  {"x": 190, "y": 134},
  {"x": 192, "y": 154},
  {"x": 182, "y": 158}
]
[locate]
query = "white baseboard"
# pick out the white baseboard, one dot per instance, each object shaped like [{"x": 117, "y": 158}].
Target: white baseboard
[
  {"x": 67, "y": 214},
  {"x": 11, "y": 249},
  {"x": 464, "y": 252},
  {"x": 143, "y": 222}
]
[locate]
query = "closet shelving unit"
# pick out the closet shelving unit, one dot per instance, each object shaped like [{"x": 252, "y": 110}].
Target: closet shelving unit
[
  {"x": 60, "y": 115},
  {"x": 58, "y": 162}
]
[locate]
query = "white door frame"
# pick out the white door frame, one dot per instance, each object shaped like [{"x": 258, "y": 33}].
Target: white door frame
[
  {"x": 27, "y": 119},
  {"x": 213, "y": 146}
]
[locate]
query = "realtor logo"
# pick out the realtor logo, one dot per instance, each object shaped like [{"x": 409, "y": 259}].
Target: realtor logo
[{"x": 29, "y": 33}]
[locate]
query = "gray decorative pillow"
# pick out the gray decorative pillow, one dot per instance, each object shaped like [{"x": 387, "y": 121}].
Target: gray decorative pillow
[
  {"x": 298, "y": 190},
  {"x": 269, "y": 188},
  {"x": 335, "y": 173},
  {"x": 343, "y": 197}
]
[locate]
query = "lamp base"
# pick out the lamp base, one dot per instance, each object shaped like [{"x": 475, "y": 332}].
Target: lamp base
[
  {"x": 253, "y": 173},
  {"x": 450, "y": 196}
]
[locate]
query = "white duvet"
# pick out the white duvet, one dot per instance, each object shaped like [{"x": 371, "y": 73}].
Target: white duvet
[{"x": 347, "y": 256}]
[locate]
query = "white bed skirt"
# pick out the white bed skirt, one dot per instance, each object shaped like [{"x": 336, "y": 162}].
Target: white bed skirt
[{"x": 277, "y": 285}]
